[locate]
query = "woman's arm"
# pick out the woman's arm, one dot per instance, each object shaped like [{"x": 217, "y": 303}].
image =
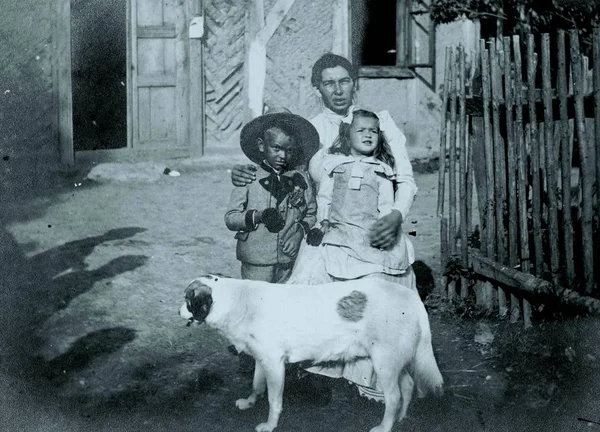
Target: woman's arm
[{"x": 406, "y": 187}]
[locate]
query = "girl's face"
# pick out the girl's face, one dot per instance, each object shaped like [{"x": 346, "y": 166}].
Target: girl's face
[{"x": 364, "y": 136}]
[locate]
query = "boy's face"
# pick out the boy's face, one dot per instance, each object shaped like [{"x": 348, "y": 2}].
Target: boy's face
[{"x": 278, "y": 148}]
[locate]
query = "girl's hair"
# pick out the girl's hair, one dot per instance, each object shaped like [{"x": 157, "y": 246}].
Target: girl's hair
[{"x": 341, "y": 145}]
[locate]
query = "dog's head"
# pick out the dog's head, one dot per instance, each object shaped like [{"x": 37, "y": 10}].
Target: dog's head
[{"x": 198, "y": 298}]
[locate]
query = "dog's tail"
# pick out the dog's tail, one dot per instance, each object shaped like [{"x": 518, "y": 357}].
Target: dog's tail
[{"x": 427, "y": 376}]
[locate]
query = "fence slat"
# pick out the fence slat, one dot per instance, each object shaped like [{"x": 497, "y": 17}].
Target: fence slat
[
  {"x": 462, "y": 136},
  {"x": 500, "y": 167},
  {"x": 511, "y": 171},
  {"x": 596, "y": 84},
  {"x": 443, "y": 132},
  {"x": 586, "y": 171},
  {"x": 452, "y": 158},
  {"x": 521, "y": 162},
  {"x": 536, "y": 196},
  {"x": 490, "y": 226},
  {"x": 550, "y": 159},
  {"x": 565, "y": 157}
]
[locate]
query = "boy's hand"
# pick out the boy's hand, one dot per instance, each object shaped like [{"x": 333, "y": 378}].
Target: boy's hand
[
  {"x": 272, "y": 219},
  {"x": 384, "y": 231},
  {"x": 291, "y": 242},
  {"x": 242, "y": 175}
]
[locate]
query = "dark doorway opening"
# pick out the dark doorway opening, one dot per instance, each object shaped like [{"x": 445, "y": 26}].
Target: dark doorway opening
[{"x": 99, "y": 73}]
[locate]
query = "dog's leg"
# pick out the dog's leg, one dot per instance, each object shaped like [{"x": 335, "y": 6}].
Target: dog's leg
[
  {"x": 387, "y": 370},
  {"x": 407, "y": 386},
  {"x": 275, "y": 374},
  {"x": 259, "y": 385}
]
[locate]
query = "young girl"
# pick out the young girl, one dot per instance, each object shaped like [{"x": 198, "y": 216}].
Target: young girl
[{"x": 356, "y": 189}]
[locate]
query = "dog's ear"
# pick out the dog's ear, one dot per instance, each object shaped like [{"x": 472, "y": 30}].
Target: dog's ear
[{"x": 198, "y": 298}]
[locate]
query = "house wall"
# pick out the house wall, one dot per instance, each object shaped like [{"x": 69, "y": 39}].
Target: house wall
[
  {"x": 307, "y": 33},
  {"x": 28, "y": 139}
]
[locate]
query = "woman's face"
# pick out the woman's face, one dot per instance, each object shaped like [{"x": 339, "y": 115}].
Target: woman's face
[
  {"x": 337, "y": 89},
  {"x": 364, "y": 136}
]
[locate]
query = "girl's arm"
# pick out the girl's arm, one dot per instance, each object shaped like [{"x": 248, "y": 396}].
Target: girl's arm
[
  {"x": 385, "y": 201},
  {"x": 406, "y": 187}
]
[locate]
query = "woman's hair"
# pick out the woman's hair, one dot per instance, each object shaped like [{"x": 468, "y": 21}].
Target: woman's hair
[
  {"x": 330, "y": 60},
  {"x": 341, "y": 145}
]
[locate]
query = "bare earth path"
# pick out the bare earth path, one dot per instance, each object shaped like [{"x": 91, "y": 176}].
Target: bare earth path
[{"x": 92, "y": 277}]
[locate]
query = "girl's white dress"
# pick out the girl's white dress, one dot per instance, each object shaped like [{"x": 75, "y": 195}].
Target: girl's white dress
[{"x": 353, "y": 193}]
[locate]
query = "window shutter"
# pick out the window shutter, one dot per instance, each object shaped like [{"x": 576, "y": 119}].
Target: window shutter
[{"x": 421, "y": 42}]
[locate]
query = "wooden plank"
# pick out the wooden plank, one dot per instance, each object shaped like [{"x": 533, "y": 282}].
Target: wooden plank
[
  {"x": 511, "y": 171},
  {"x": 143, "y": 132},
  {"x": 182, "y": 91},
  {"x": 499, "y": 168},
  {"x": 129, "y": 76},
  {"x": 462, "y": 138},
  {"x": 157, "y": 80},
  {"x": 163, "y": 124},
  {"x": 157, "y": 32},
  {"x": 197, "y": 89},
  {"x": 385, "y": 72},
  {"x": 63, "y": 82},
  {"x": 531, "y": 285},
  {"x": 132, "y": 72},
  {"x": 550, "y": 154},
  {"x": 452, "y": 158},
  {"x": 536, "y": 195},
  {"x": 490, "y": 226},
  {"x": 522, "y": 186},
  {"x": 443, "y": 133},
  {"x": 596, "y": 93},
  {"x": 586, "y": 169},
  {"x": 149, "y": 12},
  {"x": 565, "y": 158},
  {"x": 511, "y": 158}
]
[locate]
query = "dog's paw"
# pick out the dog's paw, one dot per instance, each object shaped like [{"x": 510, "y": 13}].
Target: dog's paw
[
  {"x": 264, "y": 427},
  {"x": 379, "y": 428},
  {"x": 244, "y": 404}
]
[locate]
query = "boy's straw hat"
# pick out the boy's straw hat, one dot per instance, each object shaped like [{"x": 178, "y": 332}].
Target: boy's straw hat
[{"x": 305, "y": 133}]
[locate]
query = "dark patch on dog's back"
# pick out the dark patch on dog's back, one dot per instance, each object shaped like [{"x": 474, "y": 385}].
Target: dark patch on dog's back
[{"x": 352, "y": 307}]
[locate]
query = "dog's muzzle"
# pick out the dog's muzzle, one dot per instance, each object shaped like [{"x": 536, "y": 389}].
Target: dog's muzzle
[{"x": 198, "y": 302}]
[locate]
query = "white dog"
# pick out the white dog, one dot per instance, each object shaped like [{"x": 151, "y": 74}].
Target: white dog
[{"x": 340, "y": 321}]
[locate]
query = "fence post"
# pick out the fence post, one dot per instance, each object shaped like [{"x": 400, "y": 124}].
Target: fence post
[
  {"x": 462, "y": 136},
  {"x": 586, "y": 170},
  {"x": 565, "y": 155},
  {"x": 490, "y": 226},
  {"x": 550, "y": 158},
  {"x": 442, "y": 170}
]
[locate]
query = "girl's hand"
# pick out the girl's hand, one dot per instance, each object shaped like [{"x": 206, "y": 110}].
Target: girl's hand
[
  {"x": 242, "y": 175},
  {"x": 384, "y": 231}
]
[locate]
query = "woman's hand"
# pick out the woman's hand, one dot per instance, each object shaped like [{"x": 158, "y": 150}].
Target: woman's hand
[
  {"x": 384, "y": 231},
  {"x": 242, "y": 175}
]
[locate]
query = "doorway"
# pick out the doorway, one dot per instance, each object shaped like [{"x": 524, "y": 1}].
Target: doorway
[{"x": 99, "y": 74}]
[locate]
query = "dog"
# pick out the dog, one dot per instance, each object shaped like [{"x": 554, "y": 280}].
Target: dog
[{"x": 339, "y": 322}]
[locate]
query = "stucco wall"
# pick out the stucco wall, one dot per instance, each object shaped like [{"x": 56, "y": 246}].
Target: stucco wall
[
  {"x": 28, "y": 140},
  {"x": 300, "y": 40},
  {"x": 307, "y": 33}
]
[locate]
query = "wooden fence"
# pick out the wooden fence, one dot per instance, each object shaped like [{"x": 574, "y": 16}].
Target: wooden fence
[{"x": 521, "y": 131}]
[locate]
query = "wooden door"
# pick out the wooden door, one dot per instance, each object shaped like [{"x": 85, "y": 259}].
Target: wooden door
[{"x": 160, "y": 78}]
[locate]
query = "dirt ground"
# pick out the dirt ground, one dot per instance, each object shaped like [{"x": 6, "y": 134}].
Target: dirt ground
[{"x": 93, "y": 275}]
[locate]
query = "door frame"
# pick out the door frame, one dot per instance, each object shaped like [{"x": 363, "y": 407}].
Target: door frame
[{"x": 64, "y": 99}]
